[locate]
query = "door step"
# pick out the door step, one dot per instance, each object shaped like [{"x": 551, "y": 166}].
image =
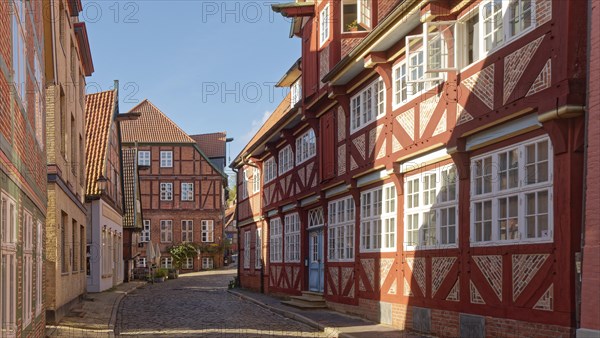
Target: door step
[{"x": 308, "y": 300}]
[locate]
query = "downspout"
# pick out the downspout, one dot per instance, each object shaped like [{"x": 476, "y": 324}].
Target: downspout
[{"x": 579, "y": 258}]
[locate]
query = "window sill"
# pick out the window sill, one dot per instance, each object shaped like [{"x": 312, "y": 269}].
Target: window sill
[
  {"x": 340, "y": 261},
  {"x": 513, "y": 242},
  {"x": 431, "y": 247},
  {"x": 377, "y": 250}
]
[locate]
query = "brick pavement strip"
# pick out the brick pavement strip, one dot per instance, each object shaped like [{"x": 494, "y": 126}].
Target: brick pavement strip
[{"x": 199, "y": 305}]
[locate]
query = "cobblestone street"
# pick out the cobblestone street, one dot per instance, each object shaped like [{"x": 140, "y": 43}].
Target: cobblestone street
[{"x": 199, "y": 305}]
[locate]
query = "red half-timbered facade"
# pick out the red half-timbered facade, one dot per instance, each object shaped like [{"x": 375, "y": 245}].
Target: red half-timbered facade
[{"x": 444, "y": 194}]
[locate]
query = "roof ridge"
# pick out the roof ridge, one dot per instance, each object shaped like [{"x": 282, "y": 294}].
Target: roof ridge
[{"x": 168, "y": 119}]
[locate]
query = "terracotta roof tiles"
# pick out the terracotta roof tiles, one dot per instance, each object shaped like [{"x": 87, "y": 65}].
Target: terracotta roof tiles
[
  {"x": 212, "y": 145},
  {"x": 100, "y": 110}
]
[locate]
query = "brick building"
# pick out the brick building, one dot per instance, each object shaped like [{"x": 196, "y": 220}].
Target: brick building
[
  {"x": 23, "y": 196},
  {"x": 590, "y": 293},
  {"x": 104, "y": 191},
  {"x": 68, "y": 63},
  {"x": 182, "y": 192},
  {"x": 426, "y": 169}
]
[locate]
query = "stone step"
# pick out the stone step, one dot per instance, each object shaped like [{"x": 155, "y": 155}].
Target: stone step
[
  {"x": 304, "y": 305},
  {"x": 306, "y": 298},
  {"x": 312, "y": 293}
]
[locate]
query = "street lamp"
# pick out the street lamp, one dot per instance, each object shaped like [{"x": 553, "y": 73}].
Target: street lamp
[{"x": 102, "y": 183}]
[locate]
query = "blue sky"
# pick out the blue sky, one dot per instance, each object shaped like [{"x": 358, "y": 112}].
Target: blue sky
[{"x": 209, "y": 65}]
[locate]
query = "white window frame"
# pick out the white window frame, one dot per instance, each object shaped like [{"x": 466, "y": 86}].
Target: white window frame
[
  {"x": 255, "y": 180},
  {"x": 324, "y": 25},
  {"x": 166, "y": 159},
  {"x": 243, "y": 187},
  {"x": 275, "y": 240},
  {"x": 286, "y": 159},
  {"x": 208, "y": 230},
  {"x": 166, "y": 262},
  {"x": 315, "y": 218},
  {"x": 188, "y": 263},
  {"x": 296, "y": 92},
  {"x": 142, "y": 262},
  {"x": 258, "y": 249},
  {"x": 166, "y": 191},
  {"x": 207, "y": 263},
  {"x": 145, "y": 234},
  {"x": 341, "y": 230},
  {"x": 367, "y": 105},
  {"x": 364, "y": 13},
  {"x": 19, "y": 49},
  {"x": 521, "y": 191},
  {"x": 247, "y": 241},
  {"x": 166, "y": 231},
  {"x": 378, "y": 223},
  {"x": 428, "y": 195},
  {"x": 306, "y": 146},
  {"x": 144, "y": 157},
  {"x": 269, "y": 170},
  {"x": 8, "y": 265},
  {"x": 39, "y": 262},
  {"x": 187, "y": 231},
  {"x": 292, "y": 237},
  {"x": 187, "y": 191},
  {"x": 27, "y": 291}
]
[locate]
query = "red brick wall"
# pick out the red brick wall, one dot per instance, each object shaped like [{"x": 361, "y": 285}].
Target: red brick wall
[{"x": 590, "y": 306}]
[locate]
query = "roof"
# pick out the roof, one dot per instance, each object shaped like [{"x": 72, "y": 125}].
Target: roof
[
  {"x": 278, "y": 114},
  {"x": 129, "y": 189},
  {"x": 212, "y": 145},
  {"x": 100, "y": 110},
  {"x": 153, "y": 126}
]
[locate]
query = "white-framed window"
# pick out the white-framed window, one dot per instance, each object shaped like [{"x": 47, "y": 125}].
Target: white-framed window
[
  {"x": 511, "y": 194},
  {"x": 166, "y": 262},
  {"x": 244, "y": 184},
  {"x": 255, "y": 180},
  {"x": 39, "y": 262},
  {"x": 494, "y": 23},
  {"x": 166, "y": 231},
  {"x": 188, "y": 263},
  {"x": 8, "y": 281},
  {"x": 286, "y": 159},
  {"x": 19, "y": 57},
  {"x": 275, "y": 240},
  {"x": 306, "y": 146},
  {"x": 166, "y": 191},
  {"x": 258, "y": 249},
  {"x": 400, "y": 85},
  {"x": 357, "y": 15},
  {"x": 296, "y": 92},
  {"x": 269, "y": 170},
  {"x": 378, "y": 219},
  {"x": 431, "y": 208},
  {"x": 315, "y": 218},
  {"x": 145, "y": 234},
  {"x": 187, "y": 231},
  {"x": 27, "y": 268},
  {"x": 324, "y": 24},
  {"x": 207, "y": 263},
  {"x": 247, "y": 241},
  {"x": 166, "y": 159},
  {"x": 144, "y": 157},
  {"x": 208, "y": 231},
  {"x": 187, "y": 191},
  {"x": 367, "y": 105},
  {"x": 141, "y": 262},
  {"x": 292, "y": 237},
  {"x": 341, "y": 229}
]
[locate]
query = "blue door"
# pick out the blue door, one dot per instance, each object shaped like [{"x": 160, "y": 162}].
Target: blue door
[{"x": 316, "y": 263}]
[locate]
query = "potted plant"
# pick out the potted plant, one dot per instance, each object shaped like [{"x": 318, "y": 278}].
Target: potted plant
[
  {"x": 160, "y": 275},
  {"x": 352, "y": 27}
]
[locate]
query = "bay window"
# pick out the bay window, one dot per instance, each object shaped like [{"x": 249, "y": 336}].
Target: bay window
[
  {"x": 341, "y": 229},
  {"x": 431, "y": 208},
  {"x": 511, "y": 198}
]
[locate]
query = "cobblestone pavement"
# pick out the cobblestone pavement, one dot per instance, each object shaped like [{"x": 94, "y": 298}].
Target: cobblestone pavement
[{"x": 199, "y": 305}]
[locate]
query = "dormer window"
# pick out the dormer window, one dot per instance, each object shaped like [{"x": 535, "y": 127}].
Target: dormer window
[{"x": 357, "y": 15}]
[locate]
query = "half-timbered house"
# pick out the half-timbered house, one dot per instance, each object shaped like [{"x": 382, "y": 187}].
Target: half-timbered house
[
  {"x": 182, "y": 192},
  {"x": 428, "y": 170}
]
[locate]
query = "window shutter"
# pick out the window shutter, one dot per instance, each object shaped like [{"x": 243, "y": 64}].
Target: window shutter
[{"x": 309, "y": 60}]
